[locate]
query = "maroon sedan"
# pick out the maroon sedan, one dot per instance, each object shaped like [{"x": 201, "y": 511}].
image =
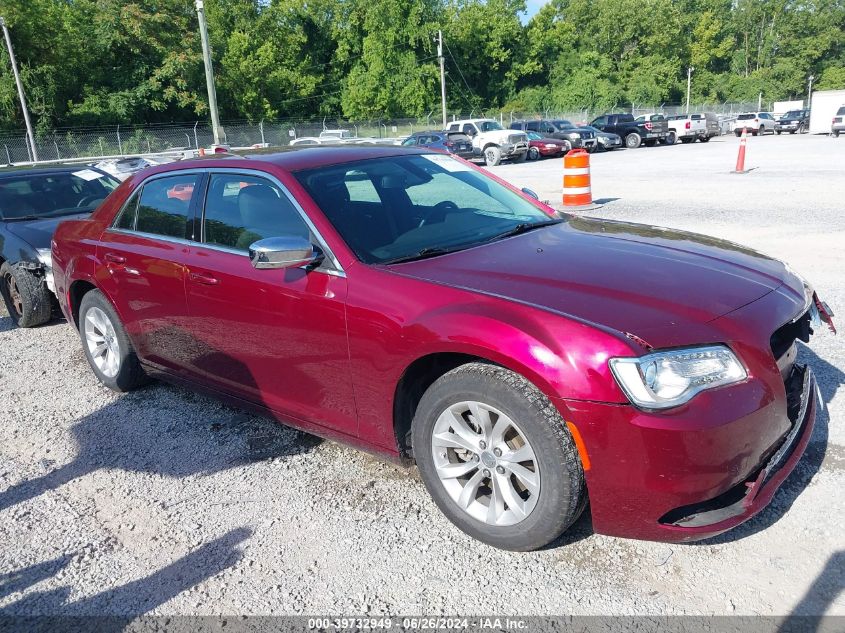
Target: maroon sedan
[
  {"x": 409, "y": 303},
  {"x": 540, "y": 146}
]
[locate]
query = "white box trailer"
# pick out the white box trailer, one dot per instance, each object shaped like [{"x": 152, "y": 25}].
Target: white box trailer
[
  {"x": 824, "y": 106},
  {"x": 779, "y": 108}
]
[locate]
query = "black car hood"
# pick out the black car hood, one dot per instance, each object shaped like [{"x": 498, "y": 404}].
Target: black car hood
[{"x": 39, "y": 233}]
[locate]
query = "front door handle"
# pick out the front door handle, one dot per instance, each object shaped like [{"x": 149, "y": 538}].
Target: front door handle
[
  {"x": 204, "y": 278},
  {"x": 115, "y": 259}
]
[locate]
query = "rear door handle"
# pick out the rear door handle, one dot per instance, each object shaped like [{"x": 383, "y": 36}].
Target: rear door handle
[
  {"x": 115, "y": 259},
  {"x": 204, "y": 278}
]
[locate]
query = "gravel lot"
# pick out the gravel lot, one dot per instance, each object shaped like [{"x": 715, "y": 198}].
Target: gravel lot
[{"x": 167, "y": 502}]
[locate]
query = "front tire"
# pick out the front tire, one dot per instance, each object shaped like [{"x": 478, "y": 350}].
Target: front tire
[
  {"x": 492, "y": 156},
  {"x": 533, "y": 153},
  {"x": 497, "y": 458},
  {"x": 28, "y": 301},
  {"x": 107, "y": 347}
]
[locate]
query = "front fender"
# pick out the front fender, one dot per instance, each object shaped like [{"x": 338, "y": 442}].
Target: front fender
[{"x": 408, "y": 319}]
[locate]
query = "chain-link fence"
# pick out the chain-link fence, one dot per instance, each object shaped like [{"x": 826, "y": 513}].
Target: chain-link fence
[{"x": 77, "y": 143}]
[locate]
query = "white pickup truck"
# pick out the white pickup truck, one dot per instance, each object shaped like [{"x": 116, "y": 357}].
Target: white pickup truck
[
  {"x": 689, "y": 127},
  {"x": 491, "y": 141}
]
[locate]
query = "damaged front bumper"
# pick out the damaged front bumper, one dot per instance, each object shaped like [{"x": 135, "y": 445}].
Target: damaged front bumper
[{"x": 753, "y": 494}]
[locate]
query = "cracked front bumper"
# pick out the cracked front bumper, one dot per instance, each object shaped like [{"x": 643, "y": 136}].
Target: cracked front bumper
[{"x": 698, "y": 473}]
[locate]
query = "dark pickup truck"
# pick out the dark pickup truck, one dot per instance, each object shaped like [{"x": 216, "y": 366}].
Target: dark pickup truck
[{"x": 634, "y": 133}]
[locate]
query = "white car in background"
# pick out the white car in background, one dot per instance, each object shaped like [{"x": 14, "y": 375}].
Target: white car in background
[
  {"x": 122, "y": 168},
  {"x": 755, "y": 122}
]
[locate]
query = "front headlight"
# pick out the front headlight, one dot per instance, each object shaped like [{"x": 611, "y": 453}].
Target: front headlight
[
  {"x": 45, "y": 257},
  {"x": 661, "y": 380}
]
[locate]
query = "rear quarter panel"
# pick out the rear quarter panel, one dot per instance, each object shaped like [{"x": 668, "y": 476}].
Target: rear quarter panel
[{"x": 74, "y": 246}]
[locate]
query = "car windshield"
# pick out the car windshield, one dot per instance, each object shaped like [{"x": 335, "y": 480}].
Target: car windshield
[
  {"x": 50, "y": 195},
  {"x": 489, "y": 126},
  {"x": 562, "y": 123},
  {"x": 402, "y": 208},
  {"x": 841, "y": 111},
  {"x": 792, "y": 114},
  {"x": 534, "y": 136}
]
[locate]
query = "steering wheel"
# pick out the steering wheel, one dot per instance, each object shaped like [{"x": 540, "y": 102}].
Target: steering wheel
[
  {"x": 439, "y": 211},
  {"x": 87, "y": 200}
]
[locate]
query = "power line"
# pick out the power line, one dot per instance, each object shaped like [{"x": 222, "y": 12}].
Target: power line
[{"x": 458, "y": 66}]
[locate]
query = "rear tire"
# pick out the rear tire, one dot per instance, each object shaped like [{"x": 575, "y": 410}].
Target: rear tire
[
  {"x": 704, "y": 139},
  {"x": 492, "y": 156},
  {"x": 633, "y": 140},
  {"x": 738, "y": 133},
  {"x": 466, "y": 428},
  {"x": 687, "y": 141},
  {"x": 107, "y": 347},
  {"x": 26, "y": 296}
]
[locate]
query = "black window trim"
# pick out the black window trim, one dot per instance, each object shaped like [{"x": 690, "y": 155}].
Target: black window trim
[{"x": 330, "y": 265}]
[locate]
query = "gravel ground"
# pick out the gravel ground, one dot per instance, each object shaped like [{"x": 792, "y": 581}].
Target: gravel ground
[{"x": 166, "y": 502}]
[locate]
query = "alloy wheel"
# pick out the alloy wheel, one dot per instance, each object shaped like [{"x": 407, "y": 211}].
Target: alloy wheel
[
  {"x": 485, "y": 463},
  {"x": 101, "y": 339},
  {"x": 14, "y": 294}
]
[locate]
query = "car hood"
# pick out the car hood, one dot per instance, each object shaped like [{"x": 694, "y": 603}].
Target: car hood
[
  {"x": 629, "y": 277},
  {"x": 39, "y": 233}
]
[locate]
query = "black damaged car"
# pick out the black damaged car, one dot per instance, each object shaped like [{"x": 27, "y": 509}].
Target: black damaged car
[{"x": 33, "y": 201}]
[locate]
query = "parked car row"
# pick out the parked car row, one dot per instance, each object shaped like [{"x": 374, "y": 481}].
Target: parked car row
[{"x": 406, "y": 302}]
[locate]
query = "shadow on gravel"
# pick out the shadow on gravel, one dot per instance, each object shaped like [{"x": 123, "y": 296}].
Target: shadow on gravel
[
  {"x": 165, "y": 431},
  {"x": 134, "y": 598},
  {"x": 581, "y": 529},
  {"x": 6, "y": 324},
  {"x": 830, "y": 378},
  {"x": 829, "y": 584}
]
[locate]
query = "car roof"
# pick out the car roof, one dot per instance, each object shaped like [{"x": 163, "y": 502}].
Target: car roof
[
  {"x": 44, "y": 170},
  {"x": 292, "y": 159}
]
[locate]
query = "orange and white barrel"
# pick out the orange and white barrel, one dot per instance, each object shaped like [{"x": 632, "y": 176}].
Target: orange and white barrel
[{"x": 576, "y": 179}]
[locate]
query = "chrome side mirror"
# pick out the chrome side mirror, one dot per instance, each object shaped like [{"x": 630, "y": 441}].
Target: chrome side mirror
[
  {"x": 531, "y": 193},
  {"x": 282, "y": 252}
]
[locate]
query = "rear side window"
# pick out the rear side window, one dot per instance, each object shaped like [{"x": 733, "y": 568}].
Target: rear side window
[
  {"x": 164, "y": 206},
  {"x": 745, "y": 117},
  {"x": 241, "y": 209}
]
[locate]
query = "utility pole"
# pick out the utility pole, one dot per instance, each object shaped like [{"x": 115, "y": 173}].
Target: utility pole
[
  {"x": 810, "y": 91},
  {"x": 442, "y": 75},
  {"x": 689, "y": 84},
  {"x": 21, "y": 95},
  {"x": 209, "y": 73}
]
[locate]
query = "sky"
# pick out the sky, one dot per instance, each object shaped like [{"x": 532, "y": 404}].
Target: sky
[{"x": 532, "y": 7}]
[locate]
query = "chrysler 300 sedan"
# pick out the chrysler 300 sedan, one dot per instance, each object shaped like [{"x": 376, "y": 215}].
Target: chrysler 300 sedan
[{"x": 408, "y": 303}]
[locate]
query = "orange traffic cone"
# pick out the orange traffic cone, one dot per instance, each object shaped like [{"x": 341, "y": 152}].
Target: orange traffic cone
[
  {"x": 577, "y": 192},
  {"x": 740, "y": 158}
]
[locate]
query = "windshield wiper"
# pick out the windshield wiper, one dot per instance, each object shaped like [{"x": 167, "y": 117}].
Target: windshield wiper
[
  {"x": 24, "y": 217},
  {"x": 432, "y": 251},
  {"x": 519, "y": 229}
]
